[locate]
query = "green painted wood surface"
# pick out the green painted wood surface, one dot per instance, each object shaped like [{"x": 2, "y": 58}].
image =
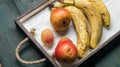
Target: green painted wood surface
[
  {"x": 25, "y": 5},
  {"x": 10, "y": 36}
]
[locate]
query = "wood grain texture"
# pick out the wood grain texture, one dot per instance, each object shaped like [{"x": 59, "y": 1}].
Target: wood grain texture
[
  {"x": 25, "y": 5},
  {"x": 10, "y": 36}
]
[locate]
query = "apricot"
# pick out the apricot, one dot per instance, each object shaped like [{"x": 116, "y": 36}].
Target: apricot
[{"x": 47, "y": 37}]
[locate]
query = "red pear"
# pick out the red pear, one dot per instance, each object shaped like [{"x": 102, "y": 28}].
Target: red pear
[
  {"x": 60, "y": 18},
  {"x": 66, "y": 51}
]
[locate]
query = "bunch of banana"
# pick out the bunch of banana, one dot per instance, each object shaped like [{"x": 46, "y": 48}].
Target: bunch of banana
[
  {"x": 95, "y": 21},
  {"x": 99, "y": 5},
  {"x": 96, "y": 13}
]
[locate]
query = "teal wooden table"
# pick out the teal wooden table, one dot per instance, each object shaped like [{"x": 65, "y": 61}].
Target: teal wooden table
[{"x": 11, "y": 35}]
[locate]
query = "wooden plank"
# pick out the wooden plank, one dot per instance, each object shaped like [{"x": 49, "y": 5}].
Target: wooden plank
[
  {"x": 25, "y": 5},
  {"x": 10, "y": 36},
  {"x": 107, "y": 57},
  {"x": 96, "y": 49},
  {"x": 28, "y": 14}
]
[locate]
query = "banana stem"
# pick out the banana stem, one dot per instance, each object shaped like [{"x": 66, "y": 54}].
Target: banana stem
[
  {"x": 60, "y": 5},
  {"x": 68, "y": 1}
]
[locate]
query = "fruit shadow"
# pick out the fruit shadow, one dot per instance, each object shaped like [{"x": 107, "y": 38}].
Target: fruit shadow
[
  {"x": 62, "y": 32},
  {"x": 103, "y": 53}
]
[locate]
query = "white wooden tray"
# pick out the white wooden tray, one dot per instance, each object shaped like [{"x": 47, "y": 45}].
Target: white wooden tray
[{"x": 39, "y": 18}]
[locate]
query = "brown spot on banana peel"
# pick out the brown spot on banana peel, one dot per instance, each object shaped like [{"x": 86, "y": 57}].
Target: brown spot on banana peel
[
  {"x": 81, "y": 26},
  {"x": 95, "y": 21},
  {"x": 100, "y": 6},
  {"x": 94, "y": 18}
]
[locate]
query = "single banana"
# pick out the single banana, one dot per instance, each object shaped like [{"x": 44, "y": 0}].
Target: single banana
[
  {"x": 81, "y": 26},
  {"x": 99, "y": 4},
  {"x": 94, "y": 18}
]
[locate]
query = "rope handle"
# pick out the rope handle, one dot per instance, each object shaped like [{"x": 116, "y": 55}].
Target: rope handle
[
  {"x": 19, "y": 46},
  {"x": 0, "y": 65}
]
